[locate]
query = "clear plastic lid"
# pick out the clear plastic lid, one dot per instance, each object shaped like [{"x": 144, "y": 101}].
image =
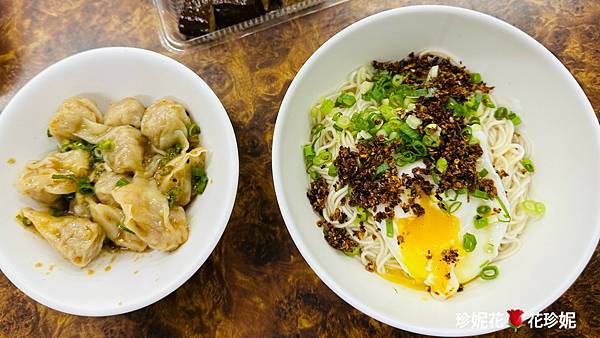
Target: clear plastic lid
[{"x": 169, "y": 12}]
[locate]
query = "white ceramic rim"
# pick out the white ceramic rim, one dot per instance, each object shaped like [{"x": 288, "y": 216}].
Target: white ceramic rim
[
  {"x": 222, "y": 223},
  {"x": 278, "y": 176}
]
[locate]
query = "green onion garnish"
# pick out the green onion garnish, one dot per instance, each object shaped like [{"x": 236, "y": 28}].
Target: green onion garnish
[
  {"x": 361, "y": 215},
  {"x": 480, "y": 222},
  {"x": 327, "y": 106},
  {"x": 389, "y": 228},
  {"x": 454, "y": 206},
  {"x": 170, "y": 154},
  {"x": 323, "y": 157},
  {"x": 501, "y": 113},
  {"x": 172, "y": 195},
  {"x": 199, "y": 180},
  {"x": 332, "y": 171},
  {"x": 84, "y": 186},
  {"x": 533, "y": 208},
  {"x": 441, "y": 165},
  {"x": 480, "y": 194},
  {"x": 431, "y": 140},
  {"x": 413, "y": 121},
  {"x": 124, "y": 228},
  {"x": 489, "y": 272},
  {"x": 397, "y": 80},
  {"x": 476, "y": 78},
  {"x": 487, "y": 101},
  {"x": 64, "y": 177},
  {"x": 458, "y": 109},
  {"x": 381, "y": 169},
  {"x": 309, "y": 154},
  {"x": 461, "y": 191},
  {"x": 316, "y": 130},
  {"x": 193, "y": 130},
  {"x": 410, "y": 132},
  {"x": 343, "y": 122},
  {"x": 122, "y": 182},
  {"x": 345, "y": 100},
  {"x": 516, "y": 120},
  {"x": 503, "y": 206},
  {"x": 435, "y": 178},
  {"x": 528, "y": 165},
  {"x": 483, "y": 173},
  {"x": 483, "y": 210},
  {"x": 106, "y": 145},
  {"x": 469, "y": 242},
  {"x": 314, "y": 175}
]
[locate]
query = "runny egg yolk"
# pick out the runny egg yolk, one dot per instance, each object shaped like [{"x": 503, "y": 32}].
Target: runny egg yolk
[{"x": 429, "y": 245}]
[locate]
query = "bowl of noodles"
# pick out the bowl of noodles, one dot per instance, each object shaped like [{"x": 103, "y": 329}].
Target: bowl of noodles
[{"x": 420, "y": 173}]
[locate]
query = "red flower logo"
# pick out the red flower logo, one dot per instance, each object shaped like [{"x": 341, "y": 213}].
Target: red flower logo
[{"x": 514, "y": 319}]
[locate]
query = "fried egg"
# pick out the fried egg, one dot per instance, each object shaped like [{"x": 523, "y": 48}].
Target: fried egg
[{"x": 429, "y": 248}]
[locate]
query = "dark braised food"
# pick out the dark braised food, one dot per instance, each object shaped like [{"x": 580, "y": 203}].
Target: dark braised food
[{"x": 200, "y": 17}]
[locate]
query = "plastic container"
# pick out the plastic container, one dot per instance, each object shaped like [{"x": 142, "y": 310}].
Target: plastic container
[{"x": 173, "y": 40}]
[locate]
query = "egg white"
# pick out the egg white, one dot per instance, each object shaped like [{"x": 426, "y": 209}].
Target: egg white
[{"x": 470, "y": 263}]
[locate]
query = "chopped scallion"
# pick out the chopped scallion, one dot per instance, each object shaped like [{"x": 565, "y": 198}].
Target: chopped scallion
[
  {"x": 441, "y": 165},
  {"x": 489, "y": 272},
  {"x": 122, "y": 182},
  {"x": 528, "y": 165},
  {"x": 469, "y": 242},
  {"x": 389, "y": 228},
  {"x": 480, "y": 222}
]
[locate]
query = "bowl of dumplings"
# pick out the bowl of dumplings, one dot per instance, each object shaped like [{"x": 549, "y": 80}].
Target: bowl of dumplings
[{"x": 119, "y": 171}]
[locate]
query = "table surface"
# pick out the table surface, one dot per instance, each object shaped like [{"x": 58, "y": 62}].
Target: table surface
[{"x": 256, "y": 283}]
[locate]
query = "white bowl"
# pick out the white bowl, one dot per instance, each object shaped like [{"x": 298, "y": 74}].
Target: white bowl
[
  {"x": 135, "y": 280},
  {"x": 558, "y": 119}
]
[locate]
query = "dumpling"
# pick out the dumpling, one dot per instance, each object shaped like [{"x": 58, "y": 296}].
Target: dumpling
[
  {"x": 91, "y": 131},
  {"x": 176, "y": 177},
  {"x": 148, "y": 215},
  {"x": 165, "y": 123},
  {"x": 127, "y": 150},
  {"x": 79, "y": 206},
  {"x": 105, "y": 184},
  {"x": 128, "y": 111},
  {"x": 70, "y": 115},
  {"x": 37, "y": 180},
  {"x": 109, "y": 218},
  {"x": 78, "y": 239}
]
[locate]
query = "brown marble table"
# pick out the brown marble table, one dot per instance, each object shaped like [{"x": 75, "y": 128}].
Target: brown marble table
[{"x": 256, "y": 283}]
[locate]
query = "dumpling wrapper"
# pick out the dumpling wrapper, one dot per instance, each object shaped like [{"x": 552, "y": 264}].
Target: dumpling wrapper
[
  {"x": 165, "y": 123},
  {"x": 104, "y": 186},
  {"x": 148, "y": 215},
  {"x": 80, "y": 206},
  {"x": 70, "y": 116},
  {"x": 108, "y": 217},
  {"x": 128, "y": 152},
  {"x": 128, "y": 111},
  {"x": 36, "y": 180},
  {"x": 180, "y": 174},
  {"x": 78, "y": 239}
]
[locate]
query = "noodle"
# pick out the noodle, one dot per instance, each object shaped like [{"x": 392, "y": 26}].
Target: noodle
[{"x": 507, "y": 146}]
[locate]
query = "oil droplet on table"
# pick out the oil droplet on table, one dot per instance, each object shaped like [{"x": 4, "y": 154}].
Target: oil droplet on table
[
  {"x": 11, "y": 161},
  {"x": 90, "y": 272},
  {"x": 107, "y": 268},
  {"x": 38, "y": 265}
]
